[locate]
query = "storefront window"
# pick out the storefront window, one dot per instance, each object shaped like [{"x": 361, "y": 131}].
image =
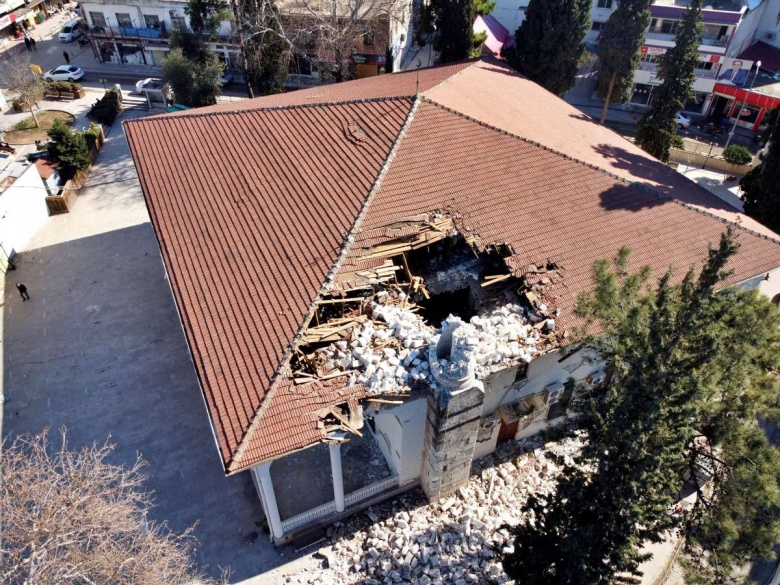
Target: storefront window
[
  {"x": 696, "y": 103},
  {"x": 641, "y": 94}
]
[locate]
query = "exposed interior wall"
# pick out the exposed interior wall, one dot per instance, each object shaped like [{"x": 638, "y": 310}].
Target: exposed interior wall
[
  {"x": 399, "y": 433},
  {"x": 551, "y": 368},
  {"x": 22, "y": 211}
]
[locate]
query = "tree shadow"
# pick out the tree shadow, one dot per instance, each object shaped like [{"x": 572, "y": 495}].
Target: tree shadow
[{"x": 657, "y": 177}]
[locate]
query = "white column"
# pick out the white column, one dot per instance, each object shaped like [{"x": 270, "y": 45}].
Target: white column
[
  {"x": 338, "y": 478},
  {"x": 269, "y": 499}
]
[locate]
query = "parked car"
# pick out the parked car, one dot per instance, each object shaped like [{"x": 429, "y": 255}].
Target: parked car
[
  {"x": 64, "y": 73},
  {"x": 154, "y": 82},
  {"x": 682, "y": 121},
  {"x": 73, "y": 30}
]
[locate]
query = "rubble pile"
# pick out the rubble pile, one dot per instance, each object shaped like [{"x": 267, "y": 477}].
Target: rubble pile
[
  {"x": 389, "y": 351},
  {"x": 452, "y": 541}
]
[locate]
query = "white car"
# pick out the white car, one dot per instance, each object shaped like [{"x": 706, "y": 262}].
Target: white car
[
  {"x": 64, "y": 73},
  {"x": 149, "y": 82},
  {"x": 682, "y": 121}
]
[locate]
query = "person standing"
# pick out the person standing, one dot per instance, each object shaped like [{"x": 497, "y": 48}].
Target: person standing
[
  {"x": 32, "y": 42},
  {"x": 66, "y": 56},
  {"x": 27, "y": 43},
  {"x": 22, "y": 291}
]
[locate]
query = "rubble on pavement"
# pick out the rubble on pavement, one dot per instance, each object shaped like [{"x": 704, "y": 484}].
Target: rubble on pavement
[{"x": 449, "y": 542}]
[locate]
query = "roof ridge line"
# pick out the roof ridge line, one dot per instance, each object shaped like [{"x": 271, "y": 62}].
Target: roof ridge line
[
  {"x": 474, "y": 61},
  {"x": 185, "y": 114},
  {"x": 345, "y": 248},
  {"x": 641, "y": 186}
]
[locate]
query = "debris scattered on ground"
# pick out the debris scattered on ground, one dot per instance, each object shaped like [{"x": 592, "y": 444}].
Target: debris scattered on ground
[{"x": 452, "y": 541}]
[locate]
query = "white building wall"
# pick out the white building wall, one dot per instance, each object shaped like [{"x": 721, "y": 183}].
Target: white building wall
[
  {"x": 22, "y": 211},
  {"x": 400, "y": 431},
  {"x": 748, "y": 28},
  {"x": 768, "y": 24}
]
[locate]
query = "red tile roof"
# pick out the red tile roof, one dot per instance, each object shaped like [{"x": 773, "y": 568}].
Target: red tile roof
[
  {"x": 764, "y": 52},
  {"x": 256, "y": 206}
]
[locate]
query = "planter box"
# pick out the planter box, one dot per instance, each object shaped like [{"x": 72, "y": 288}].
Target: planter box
[
  {"x": 68, "y": 95},
  {"x": 59, "y": 204}
]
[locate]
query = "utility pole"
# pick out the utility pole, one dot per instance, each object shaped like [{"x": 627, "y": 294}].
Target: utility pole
[{"x": 739, "y": 110}]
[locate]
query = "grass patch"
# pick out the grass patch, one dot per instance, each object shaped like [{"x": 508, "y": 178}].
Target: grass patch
[{"x": 25, "y": 132}]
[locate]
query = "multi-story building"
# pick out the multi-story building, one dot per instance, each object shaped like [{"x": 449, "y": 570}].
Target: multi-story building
[
  {"x": 720, "y": 21},
  {"x": 137, "y": 32},
  {"x": 16, "y": 15}
]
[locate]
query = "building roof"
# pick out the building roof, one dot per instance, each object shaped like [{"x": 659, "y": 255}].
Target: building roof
[
  {"x": 497, "y": 35},
  {"x": 280, "y": 195},
  {"x": 764, "y": 52}
]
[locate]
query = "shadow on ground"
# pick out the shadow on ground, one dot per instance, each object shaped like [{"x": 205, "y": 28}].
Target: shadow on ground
[{"x": 99, "y": 348}]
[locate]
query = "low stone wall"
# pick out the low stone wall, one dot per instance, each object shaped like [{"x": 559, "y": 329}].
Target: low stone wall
[{"x": 714, "y": 163}]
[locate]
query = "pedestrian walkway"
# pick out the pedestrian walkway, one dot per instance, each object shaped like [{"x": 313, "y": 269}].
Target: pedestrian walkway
[{"x": 99, "y": 348}]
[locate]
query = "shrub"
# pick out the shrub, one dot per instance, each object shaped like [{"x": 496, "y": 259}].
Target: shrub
[
  {"x": 107, "y": 108},
  {"x": 677, "y": 142},
  {"x": 92, "y": 136},
  {"x": 737, "y": 154},
  {"x": 69, "y": 150}
]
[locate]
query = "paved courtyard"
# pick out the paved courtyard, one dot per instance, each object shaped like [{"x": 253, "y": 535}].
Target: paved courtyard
[{"x": 99, "y": 349}]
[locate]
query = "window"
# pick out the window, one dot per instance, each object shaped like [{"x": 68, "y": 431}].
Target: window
[
  {"x": 97, "y": 18},
  {"x": 368, "y": 37},
  {"x": 123, "y": 20},
  {"x": 604, "y": 3},
  {"x": 704, "y": 65},
  {"x": 669, "y": 27},
  {"x": 596, "y": 25},
  {"x": 152, "y": 21},
  {"x": 177, "y": 20}
]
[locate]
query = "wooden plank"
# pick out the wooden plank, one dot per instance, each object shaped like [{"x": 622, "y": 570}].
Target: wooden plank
[{"x": 384, "y": 401}]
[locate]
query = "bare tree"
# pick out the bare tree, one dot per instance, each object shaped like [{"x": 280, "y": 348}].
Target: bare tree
[
  {"x": 333, "y": 29},
  {"x": 21, "y": 80},
  {"x": 71, "y": 517}
]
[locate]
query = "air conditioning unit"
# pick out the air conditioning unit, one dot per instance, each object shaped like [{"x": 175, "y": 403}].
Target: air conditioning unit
[
  {"x": 552, "y": 393},
  {"x": 769, "y": 36},
  {"x": 596, "y": 378}
]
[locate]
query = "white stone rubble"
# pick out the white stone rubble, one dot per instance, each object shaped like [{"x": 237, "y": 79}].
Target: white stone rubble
[
  {"x": 447, "y": 542},
  {"x": 496, "y": 339}
]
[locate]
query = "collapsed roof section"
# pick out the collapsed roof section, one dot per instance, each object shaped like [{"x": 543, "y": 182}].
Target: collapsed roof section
[{"x": 290, "y": 211}]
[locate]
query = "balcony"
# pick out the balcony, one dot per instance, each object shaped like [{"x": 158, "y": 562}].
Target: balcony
[
  {"x": 129, "y": 32},
  {"x": 670, "y": 37}
]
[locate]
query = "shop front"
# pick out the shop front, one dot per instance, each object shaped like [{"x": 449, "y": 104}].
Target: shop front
[{"x": 747, "y": 107}]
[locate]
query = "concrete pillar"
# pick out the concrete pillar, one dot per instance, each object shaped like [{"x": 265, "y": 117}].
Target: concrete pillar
[
  {"x": 268, "y": 497},
  {"x": 338, "y": 477}
]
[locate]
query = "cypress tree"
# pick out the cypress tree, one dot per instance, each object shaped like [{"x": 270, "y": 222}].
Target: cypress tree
[
  {"x": 657, "y": 128},
  {"x": 618, "y": 50},
  {"x": 454, "y": 29},
  {"x": 689, "y": 372},
  {"x": 761, "y": 186},
  {"x": 548, "y": 45}
]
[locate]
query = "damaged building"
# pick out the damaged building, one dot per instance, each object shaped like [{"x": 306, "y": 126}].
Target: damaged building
[{"x": 377, "y": 279}]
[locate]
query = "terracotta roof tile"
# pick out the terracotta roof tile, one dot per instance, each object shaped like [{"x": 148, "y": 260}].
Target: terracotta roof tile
[
  {"x": 251, "y": 214},
  {"x": 254, "y": 203}
]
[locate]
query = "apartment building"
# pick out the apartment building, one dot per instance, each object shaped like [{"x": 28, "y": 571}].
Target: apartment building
[{"x": 137, "y": 32}]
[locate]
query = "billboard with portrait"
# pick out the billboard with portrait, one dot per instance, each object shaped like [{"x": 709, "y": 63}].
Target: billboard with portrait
[{"x": 734, "y": 71}]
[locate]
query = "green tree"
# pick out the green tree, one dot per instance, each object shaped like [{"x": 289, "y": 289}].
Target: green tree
[
  {"x": 193, "y": 83},
  {"x": 192, "y": 45},
  {"x": 68, "y": 149},
  {"x": 687, "y": 380},
  {"x": 761, "y": 186},
  {"x": 19, "y": 79},
  {"x": 484, "y": 7},
  {"x": 618, "y": 51},
  {"x": 454, "y": 39},
  {"x": 207, "y": 15},
  {"x": 656, "y": 128},
  {"x": 265, "y": 50},
  {"x": 548, "y": 45}
]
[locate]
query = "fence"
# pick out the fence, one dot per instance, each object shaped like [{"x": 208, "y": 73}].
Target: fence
[{"x": 330, "y": 507}]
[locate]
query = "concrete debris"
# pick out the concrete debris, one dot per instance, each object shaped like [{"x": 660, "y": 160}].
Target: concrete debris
[
  {"x": 390, "y": 351},
  {"x": 455, "y": 540}
]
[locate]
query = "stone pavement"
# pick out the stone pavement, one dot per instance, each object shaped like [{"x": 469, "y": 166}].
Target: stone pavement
[{"x": 99, "y": 348}]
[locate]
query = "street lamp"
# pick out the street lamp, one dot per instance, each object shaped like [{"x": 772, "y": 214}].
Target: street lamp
[{"x": 739, "y": 111}]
